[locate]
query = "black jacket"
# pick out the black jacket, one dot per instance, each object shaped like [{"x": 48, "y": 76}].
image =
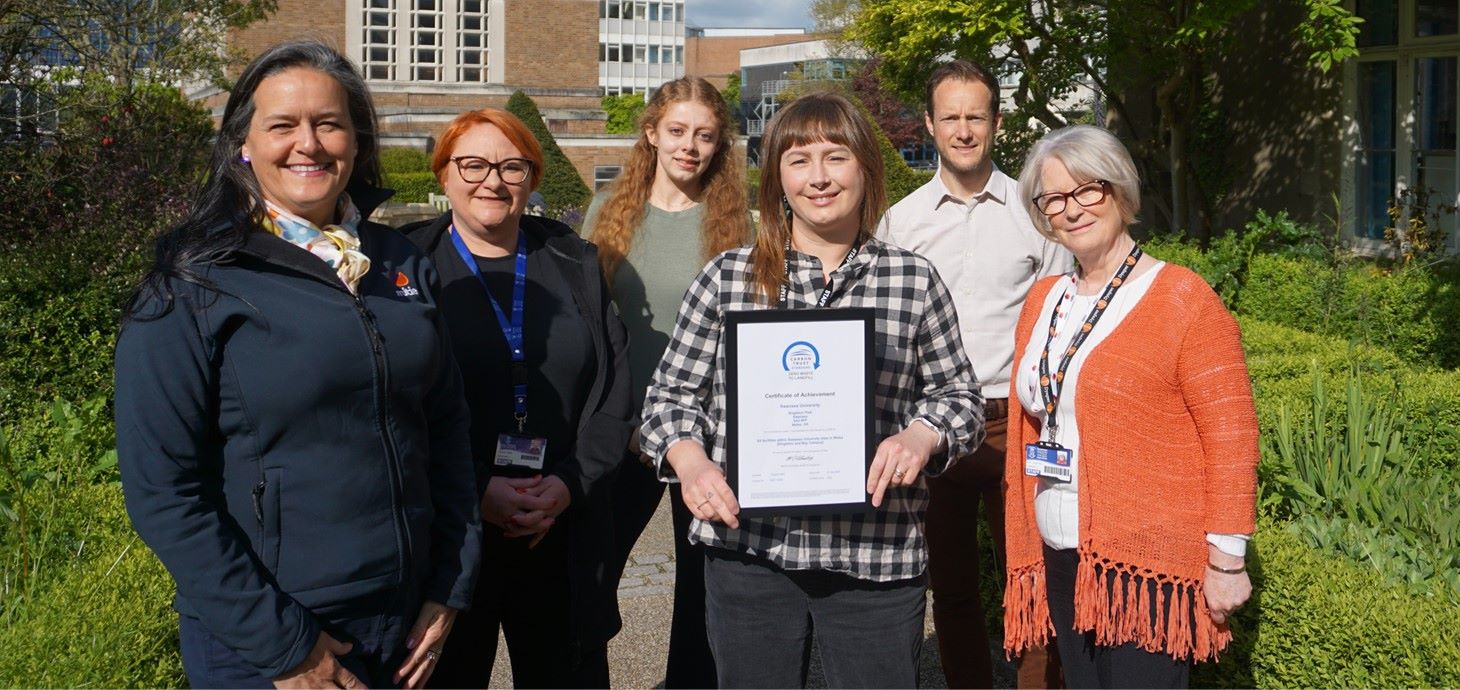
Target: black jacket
[
  {"x": 294, "y": 453},
  {"x": 603, "y": 425}
]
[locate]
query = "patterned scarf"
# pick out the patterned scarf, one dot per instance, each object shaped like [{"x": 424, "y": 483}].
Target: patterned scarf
[{"x": 338, "y": 245}]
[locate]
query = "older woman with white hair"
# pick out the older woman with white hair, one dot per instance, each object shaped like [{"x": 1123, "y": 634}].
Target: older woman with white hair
[{"x": 1131, "y": 466}]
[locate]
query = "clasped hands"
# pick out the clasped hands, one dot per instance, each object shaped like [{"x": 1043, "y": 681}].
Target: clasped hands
[{"x": 525, "y": 507}]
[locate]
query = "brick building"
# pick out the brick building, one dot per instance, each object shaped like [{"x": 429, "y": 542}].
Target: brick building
[
  {"x": 428, "y": 60},
  {"x": 714, "y": 53}
]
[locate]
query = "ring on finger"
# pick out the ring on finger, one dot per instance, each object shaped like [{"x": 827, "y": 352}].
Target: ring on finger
[
  {"x": 703, "y": 503},
  {"x": 432, "y": 655},
  {"x": 899, "y": 473}
]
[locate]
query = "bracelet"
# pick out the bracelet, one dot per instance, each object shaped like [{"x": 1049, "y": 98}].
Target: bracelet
[{"x": 1228, "y": 571}]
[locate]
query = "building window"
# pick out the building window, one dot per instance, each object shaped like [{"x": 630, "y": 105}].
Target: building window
[
  {"x": 679, "y": 55},
  {"x": 378, "y": 43},
  {"x": 668, "y": 12},
  {"x": 1402, "y": 95},
  {"x": 427, "y": 19},
  {"x": 640, "y": 54},
  {"x": 471, "y": 40},
  {"x": 604, "y": 174},
  {"x": 653, "y": 11}
]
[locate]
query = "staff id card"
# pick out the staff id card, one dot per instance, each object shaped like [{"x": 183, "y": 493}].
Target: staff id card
[
  {"x": 1048, "y": 460},
  {"x": 515, "y": 450}
]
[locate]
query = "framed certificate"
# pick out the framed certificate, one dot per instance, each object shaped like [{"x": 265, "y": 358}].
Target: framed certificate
[{"x": 799, "y": 403}]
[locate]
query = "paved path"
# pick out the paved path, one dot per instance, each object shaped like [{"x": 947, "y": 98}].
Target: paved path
[{"x": 636, "y": 656}]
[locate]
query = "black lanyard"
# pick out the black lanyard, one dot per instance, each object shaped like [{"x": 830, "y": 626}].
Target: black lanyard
[
  {"x": 1046, "y": 383},
  {"x": 511, "y": 326},
  {"x": 825, "y": 297}
]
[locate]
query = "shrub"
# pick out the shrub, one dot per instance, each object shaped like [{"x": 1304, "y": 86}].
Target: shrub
[
  {"x": 623, "y": 112},
  {"x": 1317, "y": 620},
  {"x": 412, "y": 187},
  {"x": 399, "y": 159},
  {"x": 562, "y": 187}
]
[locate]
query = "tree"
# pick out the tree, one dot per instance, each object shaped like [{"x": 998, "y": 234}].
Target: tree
[
  {"x": 902, "y": 124},
  {"x": 623, "y": 113},
  {"x": 1157, "y": 49},
  {"x": 731, "y": 92},
  {"x": 562, "y": 187}
]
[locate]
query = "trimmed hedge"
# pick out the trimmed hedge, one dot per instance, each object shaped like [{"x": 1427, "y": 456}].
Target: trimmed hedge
[
  {"x": 1281, "y": 361},
  {"x": 561, "y": 187},
  {"x": 1321, "y": 621},
  {"x": 399, "y": 159},
  {"x": 412, "y": 187}
]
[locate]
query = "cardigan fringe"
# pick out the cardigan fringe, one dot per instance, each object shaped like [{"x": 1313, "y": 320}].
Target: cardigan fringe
[{"x": 1115, "y": 602}]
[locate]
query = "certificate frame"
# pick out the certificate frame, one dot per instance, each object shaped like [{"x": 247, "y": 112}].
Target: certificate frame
[{"x": 809, "y": 321}]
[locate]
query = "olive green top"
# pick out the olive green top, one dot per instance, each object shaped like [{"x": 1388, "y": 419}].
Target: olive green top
[{"x": 649, "y": 285}]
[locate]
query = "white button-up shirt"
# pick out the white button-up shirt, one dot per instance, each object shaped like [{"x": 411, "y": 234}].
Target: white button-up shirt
[{"x": 988, "y": 253}]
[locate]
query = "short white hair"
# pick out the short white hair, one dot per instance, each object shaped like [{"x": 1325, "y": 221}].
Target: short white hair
[{"x": 1089, "y": 153}]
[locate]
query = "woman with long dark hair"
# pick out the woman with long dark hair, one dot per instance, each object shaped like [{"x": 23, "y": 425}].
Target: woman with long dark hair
[
  {"x": 290, "y": 422},
  {"x": 855, "y": 581},
  {"x": 679, "y": 201}
]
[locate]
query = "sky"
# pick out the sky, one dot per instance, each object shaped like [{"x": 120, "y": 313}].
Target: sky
[{"x": 742, "y": 13}]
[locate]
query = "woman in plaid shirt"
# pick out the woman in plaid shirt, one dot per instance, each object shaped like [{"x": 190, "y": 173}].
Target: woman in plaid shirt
[{"x": 856, "y": 580}]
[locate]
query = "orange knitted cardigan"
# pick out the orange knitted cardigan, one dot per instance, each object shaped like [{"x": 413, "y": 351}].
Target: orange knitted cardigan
[{"x": 1168, "y": 453}]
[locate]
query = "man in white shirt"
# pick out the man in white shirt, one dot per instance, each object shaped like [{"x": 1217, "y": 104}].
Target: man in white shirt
[{"x": 969, "y": 221}]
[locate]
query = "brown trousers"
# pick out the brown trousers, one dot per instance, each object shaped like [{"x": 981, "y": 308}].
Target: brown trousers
[{"x": 953, "y": 568}]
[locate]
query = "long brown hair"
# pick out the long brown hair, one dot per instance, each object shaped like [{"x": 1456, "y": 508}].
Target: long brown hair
[
  {"x": 725, "y": 224},
  {"x": 821, "y": 116}
]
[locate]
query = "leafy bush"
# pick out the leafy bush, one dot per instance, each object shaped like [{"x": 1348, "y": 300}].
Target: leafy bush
[
  {"x": 1282, "y": 359},
  {"x": 412, "y": 187},
  {"x": 1317, "y": 620},
  {"x": 400, "y": 159},
  {"x": 623, "y": 112},
  {"x": 1355, "y": 489},
  {"x": 562, "y": 187}
]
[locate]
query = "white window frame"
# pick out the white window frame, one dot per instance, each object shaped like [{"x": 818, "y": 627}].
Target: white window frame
[{"x": 447, "y": 59}]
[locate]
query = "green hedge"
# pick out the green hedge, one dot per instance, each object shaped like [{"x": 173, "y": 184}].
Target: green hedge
[
  {"x": 399, "y": 159},
  {"x": 1321, "y": 621},
  {"x": 562, "y": 187},
  {"x": 1281, "y": 361},
  {"x": 104, "y": 619},
  {"x": 412, "y": 187}
]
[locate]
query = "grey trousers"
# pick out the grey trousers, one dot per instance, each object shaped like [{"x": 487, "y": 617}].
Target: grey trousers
[{"x": 761, "y": 620}]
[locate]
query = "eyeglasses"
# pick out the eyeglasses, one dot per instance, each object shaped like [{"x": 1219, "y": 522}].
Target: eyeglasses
[
  {"x": 475, "y": 169},
  {"x": 1086, "y": 195}
]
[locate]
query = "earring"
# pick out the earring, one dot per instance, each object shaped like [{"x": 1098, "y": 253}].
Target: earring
[
  {"x": 243, "y": 157},
  {"x": 786, "y": 207}
]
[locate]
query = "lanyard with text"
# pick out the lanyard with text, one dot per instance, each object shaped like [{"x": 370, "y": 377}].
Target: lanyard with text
[
  {"x": 825, "y": 297},
  {"x": 511, "y": 327},
  {"x": 1047, "y": 458}
]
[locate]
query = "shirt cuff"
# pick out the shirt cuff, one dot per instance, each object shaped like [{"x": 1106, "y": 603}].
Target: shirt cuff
[{"x": 1230, "y": 544}]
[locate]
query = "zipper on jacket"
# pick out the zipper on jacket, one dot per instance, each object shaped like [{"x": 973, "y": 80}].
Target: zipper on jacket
[
  {"x": 382, "y": 420},
  {"x": 258, "y": 502}
]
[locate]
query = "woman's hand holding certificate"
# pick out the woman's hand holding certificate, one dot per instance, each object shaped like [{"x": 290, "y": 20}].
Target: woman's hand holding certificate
[{"x": 900, "y": 458}]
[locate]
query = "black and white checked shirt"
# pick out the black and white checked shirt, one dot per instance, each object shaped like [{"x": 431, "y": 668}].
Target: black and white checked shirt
[{"x": 922, "y": 372}]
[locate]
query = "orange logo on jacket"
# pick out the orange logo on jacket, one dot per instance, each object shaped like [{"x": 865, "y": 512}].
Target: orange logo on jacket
[
  {"x": 401, "y": 280},
  {"x": 403, "y": 286}
]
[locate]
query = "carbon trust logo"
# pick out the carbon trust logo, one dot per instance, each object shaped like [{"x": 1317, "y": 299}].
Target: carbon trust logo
[{"x": 800, "y": 360}]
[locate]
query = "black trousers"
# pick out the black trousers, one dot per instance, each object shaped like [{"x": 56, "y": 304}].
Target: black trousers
[
  {"x": 637, "y": 494},
  {"x": 1088, "y": 665},
  {"x": 525, "y": 593}
]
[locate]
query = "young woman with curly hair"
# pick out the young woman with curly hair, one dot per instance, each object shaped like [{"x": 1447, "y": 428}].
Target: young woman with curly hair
[{"x": 679, "y": 201}]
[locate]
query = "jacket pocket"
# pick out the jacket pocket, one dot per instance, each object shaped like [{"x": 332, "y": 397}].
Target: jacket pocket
[{"x": 266, "y": 511}]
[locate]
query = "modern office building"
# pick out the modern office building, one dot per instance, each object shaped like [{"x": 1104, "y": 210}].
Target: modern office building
[{"x": 640, "y": 44}]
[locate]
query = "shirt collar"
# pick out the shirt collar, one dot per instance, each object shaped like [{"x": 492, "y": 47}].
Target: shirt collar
[{"x": 998, "y": 189}]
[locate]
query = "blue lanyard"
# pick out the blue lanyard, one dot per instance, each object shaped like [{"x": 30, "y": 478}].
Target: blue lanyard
[{"x": 511, "y": 329}]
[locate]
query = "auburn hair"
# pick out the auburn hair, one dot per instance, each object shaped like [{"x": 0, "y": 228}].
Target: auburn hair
[
  {"x": 511, "y": 127},
  {"x": 814, "y": 117},
  {"x": 725, "y": 223}
]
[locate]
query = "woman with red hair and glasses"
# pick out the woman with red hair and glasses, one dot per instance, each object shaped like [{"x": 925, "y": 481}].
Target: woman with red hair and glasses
[{"x": 542, "y": 356}]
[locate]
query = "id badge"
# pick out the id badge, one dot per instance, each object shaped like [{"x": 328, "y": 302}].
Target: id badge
[
  {"x": 514, "y": 450},
  {"x": 1048, "y": 460}
]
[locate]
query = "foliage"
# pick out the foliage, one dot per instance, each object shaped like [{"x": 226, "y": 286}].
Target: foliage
[
  {"x": 1357, "y": 490},
  {"x": 1317, "y": 620},
  {"x": 902, "y": 124},
  {"x": 1128, "y": 49},
  {"x": 126, "y": 42},
  {"x": 623, "y": 113},
  {"x": 752, "y": 185},
  {"x": 1418, "y": 233},
  {"x": 1224, "y": 264},
  {"x": 562, "y": 187},
  {"x": 731, "y": 92},
  {"x": 400, "y": 159},
  {"x": 412, "y": 187}
]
